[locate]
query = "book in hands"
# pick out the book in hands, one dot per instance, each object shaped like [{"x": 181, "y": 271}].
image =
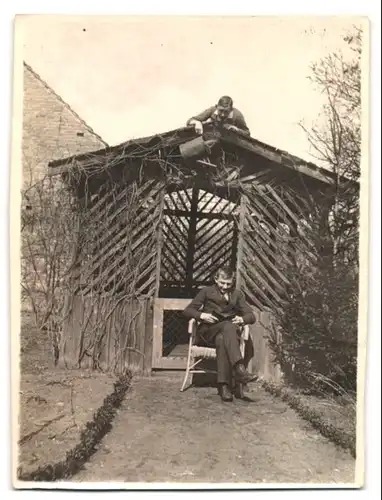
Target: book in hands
[{"x": 224, "y": 316}]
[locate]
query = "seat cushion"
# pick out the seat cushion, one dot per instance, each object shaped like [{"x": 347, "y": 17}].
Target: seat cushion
[{"x": 203, "y": 352}]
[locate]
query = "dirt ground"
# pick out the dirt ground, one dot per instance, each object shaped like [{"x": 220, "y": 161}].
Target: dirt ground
[
  {"x": 55, "y": 405},
  {"x": 162, "y": 435}
]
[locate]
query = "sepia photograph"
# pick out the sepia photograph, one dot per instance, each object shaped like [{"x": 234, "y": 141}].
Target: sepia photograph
[{"x": 188, "y": 198}]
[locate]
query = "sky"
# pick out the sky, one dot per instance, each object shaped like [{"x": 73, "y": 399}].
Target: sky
[{"x": 134, "y": 77}]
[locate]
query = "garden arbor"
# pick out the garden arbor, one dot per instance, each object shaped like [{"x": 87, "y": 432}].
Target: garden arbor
[{"x": 153, "y": 225}]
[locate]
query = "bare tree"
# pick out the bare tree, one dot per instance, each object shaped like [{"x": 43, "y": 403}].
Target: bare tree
[
  {"x": 319, "y": 322},
  {"x": 336, "y": 142}
]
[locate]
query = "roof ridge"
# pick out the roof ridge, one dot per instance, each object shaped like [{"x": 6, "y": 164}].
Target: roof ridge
[{"x": 67, "y": 106}]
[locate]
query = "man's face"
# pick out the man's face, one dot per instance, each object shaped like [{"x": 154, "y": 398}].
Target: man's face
[
  {"x": 223, "y": 283},
  {"x": 223, "y": 112}
]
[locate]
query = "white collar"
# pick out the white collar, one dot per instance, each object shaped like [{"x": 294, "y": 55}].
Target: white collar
[{"x": 215, "y": 113}]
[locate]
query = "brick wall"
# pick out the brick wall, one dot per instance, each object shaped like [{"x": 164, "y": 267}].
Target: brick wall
[{"x": 51, "y": 129}]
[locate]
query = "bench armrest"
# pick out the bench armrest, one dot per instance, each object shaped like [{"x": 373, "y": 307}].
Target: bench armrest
[{"x": 192, "y": 326}]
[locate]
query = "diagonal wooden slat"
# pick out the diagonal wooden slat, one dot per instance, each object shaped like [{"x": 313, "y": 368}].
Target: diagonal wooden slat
[
  {"x": 189, "y": 197},
  {"x": 258, "y": 263},
  {"x": 297, "y": 202},
  {"x": 182, "y": 224},
  {"x": 122, "y": 240},
  {"x": 113, "y": 198},
  {"x": 134, "y": 246},
  {"x": 252, "y": 284},
  {"x": 268, "y": 249},
  {"x": 209, "y": 197},
  {"x": 171, "y": 273},
  {"x": 262, "y": 207},
  {"x": 170, "y": 235},
  {"x": 254, "y": 270},
  {"x": 251, "y": 296},
  {"x": 120, "y": 217},
  {"x": 109, "y": 223},
  {"x": 292, "y": 216},
  {"x": 180, "y": 195},
  {"x": 224, "y": 257},
  {"x": 178, "y": 225},
  {"x": 121, "y": 275},
  {"x": 226, "y": 245},
  {"x": 202, "y": 230},
  {"x": 216, "y": 200},
  {"x": 206, "y": 248},
  {"x": 221, "y": 259},
  {"x": 258, "y": 250},
  {"x": 174, "y": 258},
  {"x": 212, "y": 231},
  {"x": 150, "y": 281}
]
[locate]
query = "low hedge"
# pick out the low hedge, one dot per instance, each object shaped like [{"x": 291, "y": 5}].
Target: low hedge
[
  {"x": 90, "y": 437},
  {"x": 337, "y": 436}
]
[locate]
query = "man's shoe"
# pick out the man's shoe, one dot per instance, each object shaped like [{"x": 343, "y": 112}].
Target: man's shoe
[
  {"x": 241, "y": 374},
  {"x": 225, "y": 393}
]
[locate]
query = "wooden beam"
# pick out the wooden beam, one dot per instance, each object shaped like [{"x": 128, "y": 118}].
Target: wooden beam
[
  {"x": 160, "y": 240},
  {"x": 199, "y": 215},
  {"x": 235, "y": 240},
  {"x": 191, "y": 236},
  {"x": 280, "y": 159}
]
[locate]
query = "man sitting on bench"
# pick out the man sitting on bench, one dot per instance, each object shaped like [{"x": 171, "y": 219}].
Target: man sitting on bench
[{"x": 221, "y": 311}]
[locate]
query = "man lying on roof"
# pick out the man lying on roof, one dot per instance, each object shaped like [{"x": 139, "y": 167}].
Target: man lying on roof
[{"x": 223, "y": 114}]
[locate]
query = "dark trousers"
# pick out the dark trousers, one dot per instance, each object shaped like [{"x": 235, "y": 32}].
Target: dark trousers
[{"x": 225, "y": 337}]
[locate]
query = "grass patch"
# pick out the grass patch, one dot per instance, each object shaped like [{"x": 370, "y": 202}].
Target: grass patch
[
  {"x": 90, "y": 437},
  {"x": 319, "y": 417}
]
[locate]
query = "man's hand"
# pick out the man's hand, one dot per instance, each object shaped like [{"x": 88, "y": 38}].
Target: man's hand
[
  {"x": 198, "y": 126},
  {"x": 238, "y": 320},
  {"x": 208, "y": 318},
  {"x": 231, "y": 128}
]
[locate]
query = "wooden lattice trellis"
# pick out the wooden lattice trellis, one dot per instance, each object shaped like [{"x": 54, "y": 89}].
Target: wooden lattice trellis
[
  {"x": 199, "y": 234},
  {"x": 121, "y": 228},
  {"x": 270, "y": 241}
]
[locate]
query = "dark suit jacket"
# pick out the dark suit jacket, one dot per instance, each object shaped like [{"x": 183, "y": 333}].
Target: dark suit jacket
[{"x": 211, "y": 300}]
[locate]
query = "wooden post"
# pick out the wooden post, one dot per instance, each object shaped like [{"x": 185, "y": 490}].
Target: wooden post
[
  {"x": 69, "y": 309},
  {"x": 240, "y": 242},
  {"x": 148, "y": 347},
  {"x": 159, "y": 243},
  {"x": 191, "y": 238}
]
